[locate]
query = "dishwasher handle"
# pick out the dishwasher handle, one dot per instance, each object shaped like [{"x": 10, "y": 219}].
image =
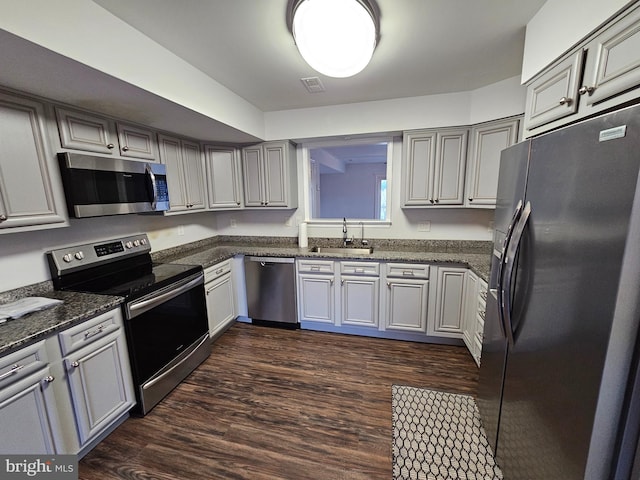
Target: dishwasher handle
[{"x": 267, "y": 260}]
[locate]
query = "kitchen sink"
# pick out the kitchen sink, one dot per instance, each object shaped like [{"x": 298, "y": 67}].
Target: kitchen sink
[{"x": 347, "y": 250}]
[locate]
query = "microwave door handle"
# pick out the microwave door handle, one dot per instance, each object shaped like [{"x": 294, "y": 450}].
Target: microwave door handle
[
  {"x": 510, "y": 260},
  {"x": 154, "y": 185}
]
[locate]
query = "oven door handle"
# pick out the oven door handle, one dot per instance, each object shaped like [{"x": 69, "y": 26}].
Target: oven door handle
[{"x": 138, "y": 307}]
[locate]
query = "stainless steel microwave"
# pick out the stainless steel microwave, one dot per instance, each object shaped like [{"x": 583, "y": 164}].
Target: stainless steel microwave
[{"x": 96, "y": 186}]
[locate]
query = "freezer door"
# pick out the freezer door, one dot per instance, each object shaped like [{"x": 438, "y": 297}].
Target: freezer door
[{"x": 581, "y": 184}]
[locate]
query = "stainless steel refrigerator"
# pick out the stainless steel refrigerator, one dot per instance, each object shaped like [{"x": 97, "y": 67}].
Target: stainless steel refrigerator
[{"x": 558, "y": 392}]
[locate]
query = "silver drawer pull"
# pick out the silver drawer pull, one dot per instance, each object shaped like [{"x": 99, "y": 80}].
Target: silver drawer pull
[
  {"x": 14, "y": 369},
  {"x": 359, "y": 270},
  {"x": 315, "y": 268},
  {"x": 75, "y": 364},
  {"x": 49, "y": 378},
  {"x": 93, "y": 333},
  {"x": 219, "y": 271},
  {"x": 407, "y": 273}
]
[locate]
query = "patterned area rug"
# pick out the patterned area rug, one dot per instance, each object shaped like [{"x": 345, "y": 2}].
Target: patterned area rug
[{"x": 438, "y": 436}]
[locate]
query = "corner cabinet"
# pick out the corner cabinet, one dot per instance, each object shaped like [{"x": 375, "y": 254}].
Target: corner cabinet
[
  {"x": 487, "y": 142},
  {"x": 185, "y": 173},
  {"x": 433, "y": 167},
  {"x": 598, "y": 74},
  {"x": 31, "y": 194},
  {"x": 224, "y": 178},
  {"x": 270, "y": 175}
]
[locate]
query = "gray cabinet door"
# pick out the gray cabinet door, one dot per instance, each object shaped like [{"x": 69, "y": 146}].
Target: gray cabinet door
[
  {"x": 407, "y": 305},
  {"x": 487, "y": 142},
  {"x": 220, "y": 303},
  {"x": 449, "y": 311},
  {"x": 276, "y": 175},
  {"x": 360, "y": 301},
  {"x": 137, "y": 142},
  {"x": 27, "y": 194},
  {"x": 555, "y": 94},
  {"x": 223, "y": 178},
  {"x": 316, "y": 298},
  {"x": 100, "y": 384},
  {"x": 613, "y": 61},
  {"x": 171, "y": 156},
  {"x": 418, "y": 165},
  {"x": 82, "y": 131},
  {"x": 252, "y": 169},
  {"x": 193, "y": 175},
  {"x": 28, "y": 416},
  {"x": 448, "y": 177}
]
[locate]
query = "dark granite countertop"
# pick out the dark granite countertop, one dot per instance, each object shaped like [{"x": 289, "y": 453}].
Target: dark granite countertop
[
  {"x": 77, "y": 307},
  {"x": 475, "y": 255}
]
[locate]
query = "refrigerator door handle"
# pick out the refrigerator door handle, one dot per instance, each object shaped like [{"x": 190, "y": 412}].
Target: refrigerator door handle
[
  {"x": 510, "y": 259},
  {"x": 503, "y": 259}
]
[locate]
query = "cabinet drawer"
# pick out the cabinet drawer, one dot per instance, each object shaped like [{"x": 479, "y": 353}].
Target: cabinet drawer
[
  {"x": 89, "y": 331},
  {"x": 315, "y": 266},
  {"x": 407, "y": 270},
  {"x": 360, "y": 268},
  {"x": 215, "y": 271},
  {"x": 18, "y": 365}
]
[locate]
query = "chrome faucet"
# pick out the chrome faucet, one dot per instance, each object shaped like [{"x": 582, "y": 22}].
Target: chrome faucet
[
  {"x": 362, "y": 240},
  {"x": 345, "y": 240}
]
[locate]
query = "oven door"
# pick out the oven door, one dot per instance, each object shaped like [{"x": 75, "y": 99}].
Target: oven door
[{"x": 167, "y": 334}]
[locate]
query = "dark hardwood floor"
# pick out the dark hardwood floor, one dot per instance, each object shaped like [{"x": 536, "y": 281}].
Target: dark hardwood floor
[{"x": 280, "y": 404}]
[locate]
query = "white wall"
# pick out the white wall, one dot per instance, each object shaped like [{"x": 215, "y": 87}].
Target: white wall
[
  {"x": 22, "y": 255},
  {"x": 89, "y": 34},
  {"x": 503, "y": 99},
  {"x": 560, "y": 24}
]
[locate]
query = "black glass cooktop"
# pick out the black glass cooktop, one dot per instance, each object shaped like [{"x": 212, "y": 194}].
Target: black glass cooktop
[{"x": 127, "y": 278}]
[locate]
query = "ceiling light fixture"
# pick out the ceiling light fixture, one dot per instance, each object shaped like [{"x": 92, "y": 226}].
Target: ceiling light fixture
[{"x": 335, "y": 37}]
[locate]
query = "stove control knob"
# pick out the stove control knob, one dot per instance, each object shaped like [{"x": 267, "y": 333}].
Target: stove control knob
[
  {"x": 136, "y": 243},
  {"x": 129, "y": 244},
  {"x": 79, "y": 255},
  {"x": 143, "y": 241},
  {"x": 67, "y": 257}
]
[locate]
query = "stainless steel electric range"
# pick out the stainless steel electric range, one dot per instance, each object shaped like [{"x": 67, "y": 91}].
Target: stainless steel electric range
[{"x": 164, "y": 310}]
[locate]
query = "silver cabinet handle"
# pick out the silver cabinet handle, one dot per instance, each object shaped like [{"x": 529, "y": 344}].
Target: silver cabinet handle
[
  {"x": 584, "y": 90},
  {"x": 3, "y": 217},
  {"x": 110, "y": 146},
  {"x": 408, "y": 273},
  {"x": 49, "y": 378},
  {"x": 75, "y": 364},
  {"x": 331, "y": 281},
  {"x": 14, "y": 369},
  {"x": 92, "y": 333},
  {"x": 565, "y": 101},
  {"x": 389, "y": 284},
  {"x": 125, "y": 149}
]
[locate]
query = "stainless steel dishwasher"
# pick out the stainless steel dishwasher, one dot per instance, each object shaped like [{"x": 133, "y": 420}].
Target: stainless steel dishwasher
[{"x": 271, "y": 290}]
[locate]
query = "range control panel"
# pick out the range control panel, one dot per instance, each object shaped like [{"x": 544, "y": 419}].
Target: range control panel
[{"x": 69, "y": 259}]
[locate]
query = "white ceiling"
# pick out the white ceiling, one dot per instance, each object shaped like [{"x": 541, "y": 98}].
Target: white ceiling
[{"x": 426, "y": 47}]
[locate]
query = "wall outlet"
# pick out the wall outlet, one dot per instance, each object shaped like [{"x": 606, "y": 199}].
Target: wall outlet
[
  {"x": 233, "y": 223},
  {"x": 180, "y": 230},
  {"x": 424, "y": 226}
]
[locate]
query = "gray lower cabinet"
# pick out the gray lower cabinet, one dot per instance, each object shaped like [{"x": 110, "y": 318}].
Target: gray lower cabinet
[
  {"x": 407, "y": 297},
  {"x": 30, "y": 189},
  {"x": 316, "y": 291},
  {"x": 98, "y": 375},
  {"x": 27, "y": 404},
  {"x": 220, "y": 293},
  {"x": 448, "y": 317},
  {"x": 61, "y": 394},
  {"x": 359, "y": 294}
]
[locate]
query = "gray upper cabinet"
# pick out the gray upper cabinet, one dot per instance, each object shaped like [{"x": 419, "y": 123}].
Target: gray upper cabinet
[
  {"x": 137, "y": 142},
  {"x": 487, "y": 141},
  {"x": 30, "y": 190},
  {"x": 83, "y": 131},
  {"x": 433, "y": 167},
  {"x": 224, "y": 186},
  {"x": 93, "y": 133},
  {"x": 555, "y": 94},
  {"x": 185, "y": 173},
  {"x": 269, "y": 173},
  {"x": 567, "y": 92}
]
